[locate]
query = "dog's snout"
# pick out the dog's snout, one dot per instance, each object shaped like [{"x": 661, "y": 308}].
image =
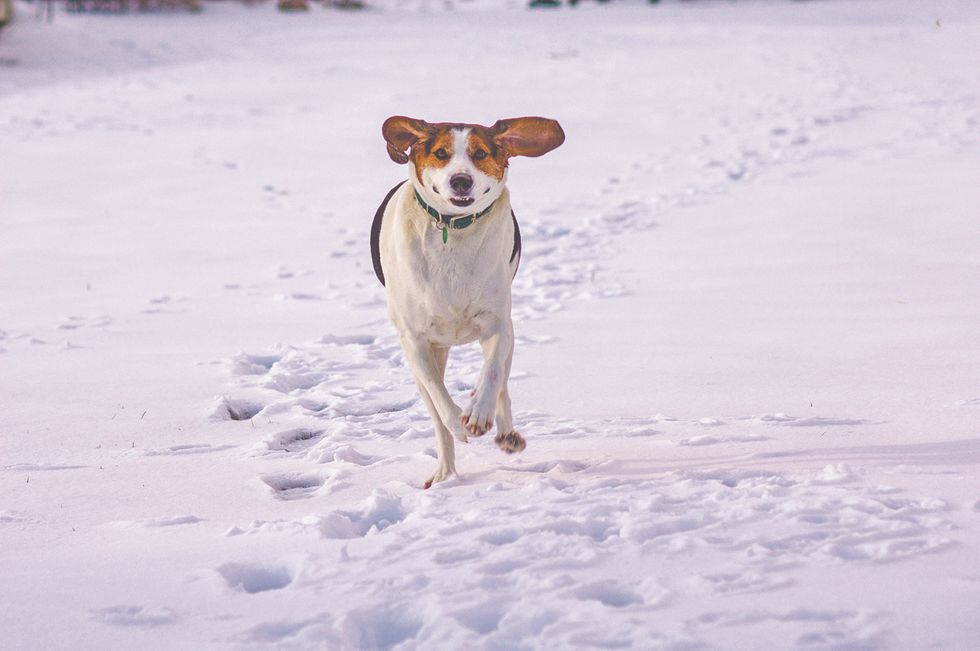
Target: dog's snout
[{"x": 461, "y": 183}]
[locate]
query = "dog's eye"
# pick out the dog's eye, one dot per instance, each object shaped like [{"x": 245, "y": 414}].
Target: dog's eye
[
  {"x": 441, "y": 154},
  {"x": 479, "y": 154}
]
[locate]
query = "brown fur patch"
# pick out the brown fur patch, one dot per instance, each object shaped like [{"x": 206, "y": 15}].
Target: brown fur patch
[
  {"x": 424, "y": 151},
  {"x": 495, "y": 161}
]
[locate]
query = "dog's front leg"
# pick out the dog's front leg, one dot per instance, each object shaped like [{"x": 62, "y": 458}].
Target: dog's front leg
[
  {"x": 421, "y": 358},
  {"x": 498, "y": 348},
  {"x": 507, "y": 439}
]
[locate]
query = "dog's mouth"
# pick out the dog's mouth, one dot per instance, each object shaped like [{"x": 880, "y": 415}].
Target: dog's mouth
[{"x": 461, "y": 202}]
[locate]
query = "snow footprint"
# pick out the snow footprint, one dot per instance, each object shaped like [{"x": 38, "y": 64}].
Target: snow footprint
[
  {"x": 608, "y": 593},
  {"x": 243, "y": 363},
  {"x": 252, "y": 578},
  {"x": 483, "y": 618},
  {"x": 235, "y": 409},
  {"x": 292, "y": 486},
  {"x": 294, "y": 441}
]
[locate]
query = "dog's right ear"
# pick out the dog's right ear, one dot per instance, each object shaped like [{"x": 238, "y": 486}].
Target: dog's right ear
[{"x": 401, "y": 133}]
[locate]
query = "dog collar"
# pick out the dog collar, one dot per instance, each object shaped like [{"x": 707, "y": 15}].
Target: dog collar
[{"x": 445, "y": 222}]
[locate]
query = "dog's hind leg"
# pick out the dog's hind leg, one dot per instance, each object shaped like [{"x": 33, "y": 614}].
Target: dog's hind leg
[{"x": 445, "y": 447}]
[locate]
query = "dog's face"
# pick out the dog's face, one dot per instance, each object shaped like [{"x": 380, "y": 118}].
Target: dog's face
[{"x": 462, "y": 168}]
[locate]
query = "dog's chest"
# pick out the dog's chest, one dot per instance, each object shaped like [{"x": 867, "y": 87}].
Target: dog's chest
[
  {"x": 458, "y": 288},
  {"x": 451, "y": 290}
]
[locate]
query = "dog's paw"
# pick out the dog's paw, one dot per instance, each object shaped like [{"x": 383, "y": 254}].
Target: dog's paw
[
  {"x": 441, "y": 475},
  {"x": 475, "y": 425},
  {"x": 511, "y": 442},
  {"x": 478, "y": 416},
  {"x": 453, "y": 423}
]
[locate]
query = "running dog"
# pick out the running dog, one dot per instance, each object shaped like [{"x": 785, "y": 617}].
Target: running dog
[{"x": 446, "y": 246}]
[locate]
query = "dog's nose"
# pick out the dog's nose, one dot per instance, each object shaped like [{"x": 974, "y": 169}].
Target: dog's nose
[{"x": 461, "y": 183}]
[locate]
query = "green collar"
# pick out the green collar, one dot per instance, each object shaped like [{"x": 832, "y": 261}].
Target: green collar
[{"x": 450, "y": 221}]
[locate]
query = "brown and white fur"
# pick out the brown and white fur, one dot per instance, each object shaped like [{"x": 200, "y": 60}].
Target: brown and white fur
[{"x": 446, "y": 293}]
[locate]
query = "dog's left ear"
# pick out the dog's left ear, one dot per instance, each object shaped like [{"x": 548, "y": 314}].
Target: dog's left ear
[
  {"x": 401, "y": 133},
  {"x": 527, "y": 136}
]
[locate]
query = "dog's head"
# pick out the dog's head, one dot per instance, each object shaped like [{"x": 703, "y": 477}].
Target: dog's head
[{"x": 462, "y": 168}]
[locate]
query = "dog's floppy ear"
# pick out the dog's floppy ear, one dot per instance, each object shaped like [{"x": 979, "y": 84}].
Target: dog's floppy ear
[
  {"x": 401, "y": 133},
  {"x": 527, "y": 136}
]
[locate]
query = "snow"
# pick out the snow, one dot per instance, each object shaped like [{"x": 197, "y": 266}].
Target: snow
[{"x": 747, "y": 366}]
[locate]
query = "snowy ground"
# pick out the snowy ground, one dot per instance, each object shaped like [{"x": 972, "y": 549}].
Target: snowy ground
[{"x": 748, "y": 312}]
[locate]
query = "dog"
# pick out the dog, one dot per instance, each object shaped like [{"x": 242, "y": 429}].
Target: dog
[{"x": 446, "y": 246}]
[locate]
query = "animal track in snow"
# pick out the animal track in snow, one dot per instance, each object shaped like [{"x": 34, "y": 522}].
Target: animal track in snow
[
  {"x": 252, "y": 578},
  {"x": 235, "y": 409},
  {"x": 245, "y": 364},
  {"x": 608, "y": 593},
  {"x": 291, "y": 486},
  {"x": 483, "y": 618},
  {"x": 289, "y": 441},
  {"x": 502, "y": 536}
]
